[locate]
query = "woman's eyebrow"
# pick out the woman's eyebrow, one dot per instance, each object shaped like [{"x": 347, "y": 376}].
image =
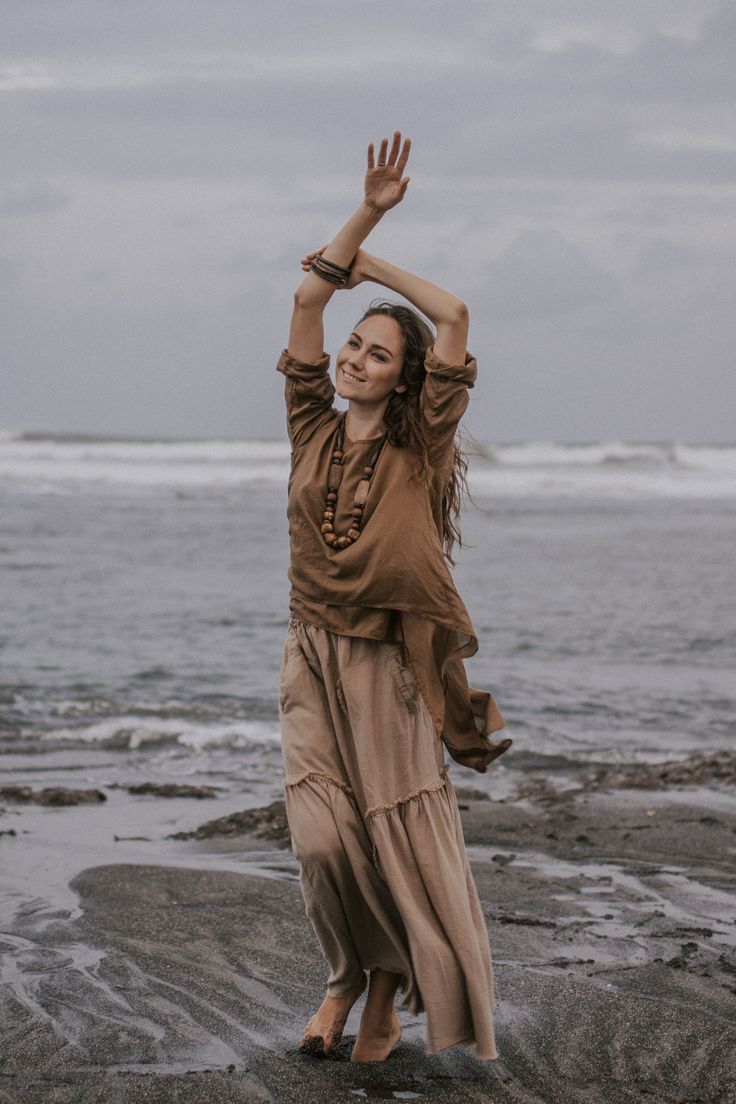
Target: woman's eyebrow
[{"x": 374, "y": 344}]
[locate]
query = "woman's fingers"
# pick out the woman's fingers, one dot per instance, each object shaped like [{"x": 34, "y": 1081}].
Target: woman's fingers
[
  {"x": 307, "y": 261},
  {"x": 398, "y": 155},
  {"x": 385, "y": 183},
  {"x": 401, "y": 163}
]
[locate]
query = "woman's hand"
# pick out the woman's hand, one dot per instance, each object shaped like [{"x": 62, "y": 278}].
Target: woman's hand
[
  {"x": 357, "y": 267},
  {"x": 306, "y": 262},
  {"x": 385, "y": 184}
]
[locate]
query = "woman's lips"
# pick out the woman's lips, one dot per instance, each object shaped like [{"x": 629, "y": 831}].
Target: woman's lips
[{"x": 350, "y": 376}]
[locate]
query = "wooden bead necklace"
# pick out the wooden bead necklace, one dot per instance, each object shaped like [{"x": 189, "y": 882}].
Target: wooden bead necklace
[{"x": 334, "y": 477}]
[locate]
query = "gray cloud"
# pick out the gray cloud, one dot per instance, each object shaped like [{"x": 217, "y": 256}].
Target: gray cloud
[
  {"x": 166, "y": 165},
  {"x": 542, "y": 274},
  {"x": 659, "y": 255},
  {"x": 31, "y": 198},
  {"x": 9, "y": 271}
]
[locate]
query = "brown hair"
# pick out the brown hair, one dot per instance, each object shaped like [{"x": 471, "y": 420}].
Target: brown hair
[{"x": 404, "y": 428}]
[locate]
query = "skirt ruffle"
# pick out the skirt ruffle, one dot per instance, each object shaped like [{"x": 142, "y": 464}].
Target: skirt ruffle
[{"x": 398, "y": 882}]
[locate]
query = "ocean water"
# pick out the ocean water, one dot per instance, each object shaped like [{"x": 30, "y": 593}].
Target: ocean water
[{"x": 144, "y": 604}]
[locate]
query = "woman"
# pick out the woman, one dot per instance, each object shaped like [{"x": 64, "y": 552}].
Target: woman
[{"x": 373, "y": 682}]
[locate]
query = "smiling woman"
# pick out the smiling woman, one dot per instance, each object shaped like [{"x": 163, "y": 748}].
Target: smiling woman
[
  {"x": 372, "y": 357},
  {"x": 373, "y": 685}
]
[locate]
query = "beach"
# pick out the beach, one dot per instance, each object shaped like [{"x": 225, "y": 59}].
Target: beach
[
  {"x": 153, "y": 936},
  {"x": 611, "y": 921}
]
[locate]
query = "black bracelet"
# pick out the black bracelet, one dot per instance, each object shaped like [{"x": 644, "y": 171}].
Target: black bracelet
[
  {"x": 329, "y": 279},
  {"x": 326, "y": 274},
  {"x": 331, "y": 264}
]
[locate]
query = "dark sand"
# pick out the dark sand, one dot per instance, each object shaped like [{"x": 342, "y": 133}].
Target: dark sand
[{"x": 612, "y": 922}]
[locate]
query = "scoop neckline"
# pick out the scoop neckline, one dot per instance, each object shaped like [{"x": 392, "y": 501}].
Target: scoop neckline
[{"x": 360, "y": 440}]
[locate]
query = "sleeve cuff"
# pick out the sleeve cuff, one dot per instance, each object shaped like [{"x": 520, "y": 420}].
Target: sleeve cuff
[
  {"x": 466, "y": 372},
  {"x": 292, "y": 366}
]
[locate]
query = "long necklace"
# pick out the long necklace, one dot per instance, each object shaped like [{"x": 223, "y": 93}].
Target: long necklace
[{"x": 334, "y": 478}]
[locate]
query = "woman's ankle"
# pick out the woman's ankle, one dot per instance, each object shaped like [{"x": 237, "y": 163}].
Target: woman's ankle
[
  {"x": 383, "y": 986},
  {"x": 352, "y": 993}
]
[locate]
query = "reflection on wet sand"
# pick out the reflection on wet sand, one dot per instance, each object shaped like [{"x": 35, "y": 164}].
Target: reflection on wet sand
[{"x": 612, "y": 924}]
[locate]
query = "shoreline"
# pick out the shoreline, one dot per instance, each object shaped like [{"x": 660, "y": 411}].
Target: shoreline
[{"x": 612, "y": 929}]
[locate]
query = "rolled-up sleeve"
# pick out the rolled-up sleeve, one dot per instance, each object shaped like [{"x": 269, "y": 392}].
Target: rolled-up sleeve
[
  {"x": 444, "y": 400},
  {"x": 309, "y": 394}
]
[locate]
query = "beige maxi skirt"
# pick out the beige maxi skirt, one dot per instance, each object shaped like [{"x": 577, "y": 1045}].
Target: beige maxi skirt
[{"x": 376, "y": 830}]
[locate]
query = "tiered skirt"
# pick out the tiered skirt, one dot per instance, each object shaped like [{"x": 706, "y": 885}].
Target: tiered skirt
[{"x": 376, "y": 829}]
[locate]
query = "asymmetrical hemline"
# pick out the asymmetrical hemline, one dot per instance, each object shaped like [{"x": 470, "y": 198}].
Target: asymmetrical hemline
[{"x": 376, "y": 828}]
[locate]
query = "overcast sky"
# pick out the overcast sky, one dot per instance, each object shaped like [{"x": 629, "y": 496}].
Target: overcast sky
[{"x": 165, "y": 165}]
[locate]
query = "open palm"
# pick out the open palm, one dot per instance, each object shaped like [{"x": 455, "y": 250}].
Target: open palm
[{"x": 385, "y": 183}]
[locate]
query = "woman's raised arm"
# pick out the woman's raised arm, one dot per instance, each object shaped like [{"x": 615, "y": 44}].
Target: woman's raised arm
[
  {"x": 448, "y": 313},
  {"x": 385, "y": 186}
]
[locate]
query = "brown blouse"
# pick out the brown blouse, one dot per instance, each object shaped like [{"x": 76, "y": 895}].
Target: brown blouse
[{"x": 394, "y": 582}]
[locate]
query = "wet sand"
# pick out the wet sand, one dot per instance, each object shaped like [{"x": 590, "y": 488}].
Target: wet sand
[{"x": 612, "y": 919}]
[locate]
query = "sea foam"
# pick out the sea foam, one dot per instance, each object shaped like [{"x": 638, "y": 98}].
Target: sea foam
[{"x": 34, "y": 462}]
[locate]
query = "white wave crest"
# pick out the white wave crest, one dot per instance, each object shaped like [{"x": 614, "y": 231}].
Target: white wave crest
[
  {"x": 69, "y": 464},
  {"x": 132, "y": 731}
]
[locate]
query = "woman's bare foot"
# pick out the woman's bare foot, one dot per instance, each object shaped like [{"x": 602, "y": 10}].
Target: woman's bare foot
[
  {"x": 375, "y": 1041},
  {"x": 324, "y": 1030},
  {"x": 380, "y": 1029}
]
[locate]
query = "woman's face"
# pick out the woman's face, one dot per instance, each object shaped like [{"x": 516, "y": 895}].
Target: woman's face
[{"x": 368, "y": 366}]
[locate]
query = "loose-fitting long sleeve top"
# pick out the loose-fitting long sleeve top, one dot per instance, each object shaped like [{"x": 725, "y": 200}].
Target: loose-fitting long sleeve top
[{"x": 393, "y": 583}]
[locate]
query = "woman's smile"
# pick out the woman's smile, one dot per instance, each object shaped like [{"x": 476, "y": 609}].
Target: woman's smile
[
  {"x": 372, "y": 357},
  {"x": 349, "y": 376}
]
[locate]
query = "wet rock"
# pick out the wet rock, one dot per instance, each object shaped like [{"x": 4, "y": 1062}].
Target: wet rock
[
  {"x": 174, "y": 789},
  {"x": 697, "y": 769},
  {"x": 52, "y": 795},
  {"x": 727, "y": 964},
  {"x": 563, "y": 961},
  {"x": 524, "y": 920},
  {"x": 467, "y": 793},
  {"x": 268, "y": 822},
  {"x": 682, "y": 960}
]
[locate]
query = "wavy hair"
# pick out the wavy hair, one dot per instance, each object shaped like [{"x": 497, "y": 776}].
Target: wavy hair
[{"x": 404, "y": 425}]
